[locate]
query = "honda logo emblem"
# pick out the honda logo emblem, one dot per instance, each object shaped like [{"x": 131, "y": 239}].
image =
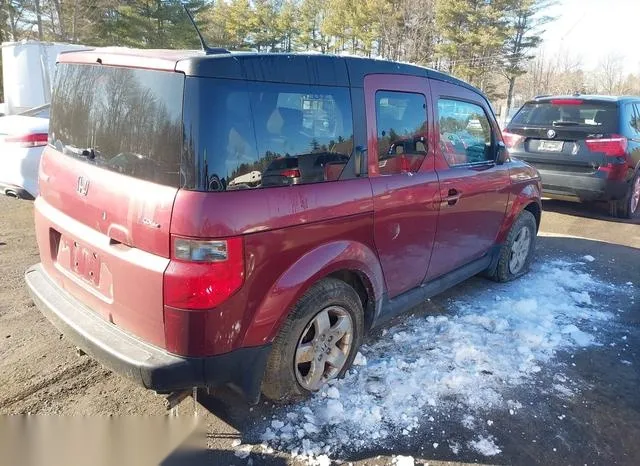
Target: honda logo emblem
[
  {"x": 83, "y": 186},
  {"x": 551, "y": 134}
]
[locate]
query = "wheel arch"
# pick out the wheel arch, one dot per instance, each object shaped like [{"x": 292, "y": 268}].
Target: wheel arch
[
  {"x": 362, "y": 284},
  {"x": 526, "y": 198},
  {"x": 352, "y": 262},
  {"x": 536, "y": 210}
]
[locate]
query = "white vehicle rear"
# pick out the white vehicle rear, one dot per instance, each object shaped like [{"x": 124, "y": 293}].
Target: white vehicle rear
[{"x": 22, "y": 140}]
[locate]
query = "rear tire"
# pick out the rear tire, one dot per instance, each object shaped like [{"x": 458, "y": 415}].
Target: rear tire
[
  {"x": 629, "y": 206},
  {"x": 313, "y": 330},
  {"x": 517, "y": 251}
]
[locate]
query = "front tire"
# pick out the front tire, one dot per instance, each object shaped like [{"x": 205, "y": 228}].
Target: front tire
[
  {"x": 629, "y": 206},
  {"x": 516, "y": 253},
  {"x": 317, "y": 342}
]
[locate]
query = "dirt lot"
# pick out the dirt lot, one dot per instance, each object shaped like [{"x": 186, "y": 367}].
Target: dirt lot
[{"x": 41, "y": 373}]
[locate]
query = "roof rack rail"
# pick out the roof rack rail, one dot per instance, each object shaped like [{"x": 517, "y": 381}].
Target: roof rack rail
[{"x": 542, "y": 95}]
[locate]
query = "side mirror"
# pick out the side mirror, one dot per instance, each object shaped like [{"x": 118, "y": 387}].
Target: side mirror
[{"x": 502, "y": 154}]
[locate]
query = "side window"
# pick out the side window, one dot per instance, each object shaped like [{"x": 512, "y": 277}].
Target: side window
[
  {"x": 268, "y": 135},
  {"x": 635, "y": 117},
  {"x": 401, "y": 120},
  {"x": 465, "y": 132}
]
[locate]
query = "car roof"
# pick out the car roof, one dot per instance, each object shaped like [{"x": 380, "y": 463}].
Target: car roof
[
  {"x": 293, "y": 68},
  {"x": 587, "y": 97}
]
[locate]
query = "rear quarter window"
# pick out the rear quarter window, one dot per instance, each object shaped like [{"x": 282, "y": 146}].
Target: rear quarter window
[
  {"x": 255, "y": 134},
  {"x": 121, "y": 119}
]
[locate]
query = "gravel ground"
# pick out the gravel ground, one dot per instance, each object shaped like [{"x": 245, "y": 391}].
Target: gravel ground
[{"x": 41, "y": 373}]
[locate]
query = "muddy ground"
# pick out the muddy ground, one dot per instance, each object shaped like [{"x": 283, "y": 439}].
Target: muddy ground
[{"x": 40, "y": 372}]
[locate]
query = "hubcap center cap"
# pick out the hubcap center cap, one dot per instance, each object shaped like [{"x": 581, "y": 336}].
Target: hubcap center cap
[{"x": 323, "y": 347}]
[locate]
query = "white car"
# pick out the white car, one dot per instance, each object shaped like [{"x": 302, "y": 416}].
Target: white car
[
  {"x": 22, "y": 140},
  {"x": 250, "y": 179}
]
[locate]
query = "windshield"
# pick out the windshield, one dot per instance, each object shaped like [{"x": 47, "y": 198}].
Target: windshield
[{"x": 598, "y": 116}]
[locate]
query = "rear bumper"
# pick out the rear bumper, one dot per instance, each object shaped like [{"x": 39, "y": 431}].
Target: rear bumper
[
  {"x": 587, "y": 187},
  {"x": 147, "y": 365}
]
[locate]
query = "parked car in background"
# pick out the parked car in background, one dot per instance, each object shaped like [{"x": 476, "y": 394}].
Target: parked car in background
[
  {"x": 585, "y": 147},
  {"x": 173, "y": 277},
  {"x": 303, "y": 168},
  {"x": 22, "y": 140}
]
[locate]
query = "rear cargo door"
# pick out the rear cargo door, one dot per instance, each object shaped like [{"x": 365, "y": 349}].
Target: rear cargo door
[
  {"x": 108, "y": 179},
  {"x": 552, "y": 134}
]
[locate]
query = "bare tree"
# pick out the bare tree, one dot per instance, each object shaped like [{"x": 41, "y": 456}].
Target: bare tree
[
  {"x": 406, "y": 30},
  {"x": 39, "y": 19},
  {"x": 610, "y": 74}
]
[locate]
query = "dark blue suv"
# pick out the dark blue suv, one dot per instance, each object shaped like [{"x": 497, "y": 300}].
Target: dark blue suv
[{"x": 585, "y": 148}]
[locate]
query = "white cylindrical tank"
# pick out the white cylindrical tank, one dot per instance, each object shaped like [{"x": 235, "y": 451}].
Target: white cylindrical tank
[{"x": 28, "y": 68}]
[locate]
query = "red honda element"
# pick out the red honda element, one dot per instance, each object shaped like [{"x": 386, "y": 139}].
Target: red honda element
[{"x": 166, "y": 257}]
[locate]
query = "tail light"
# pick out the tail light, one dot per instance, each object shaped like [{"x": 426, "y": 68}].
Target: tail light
[
  {"x": 614, "y": 146},
  {"x": 615, "y": 150},
  {"x": 290, "y": 173},
  {"x": 510, "y": 139},
  {"x": 201, "y": 275},
  {"x": 28, "y": 140}
]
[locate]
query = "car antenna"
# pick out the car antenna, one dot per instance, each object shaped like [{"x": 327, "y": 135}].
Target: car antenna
[{"x": 205, "y": 48}]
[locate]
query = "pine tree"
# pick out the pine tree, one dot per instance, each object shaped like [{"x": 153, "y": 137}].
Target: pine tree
[
  {"x": 524, "y": 36},
  {"x": 473, "y": 34},
  {"x": 288, "y": 25}
]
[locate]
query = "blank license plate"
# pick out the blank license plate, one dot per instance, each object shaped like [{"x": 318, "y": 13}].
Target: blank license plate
[{"x": 550, "y": 146}]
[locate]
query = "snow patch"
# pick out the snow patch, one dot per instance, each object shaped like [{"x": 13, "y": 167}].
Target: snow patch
[
  {"x": 360, "y": 360},
  {"x": 485, "y": 446},
  {"x": 466, "y": 360},
  {"x": 333, "y": 393},
  {"x": 581, "y": 297},
  {"x": 468, "y": 421},
  {"x": 243, "y": 451},
  {"x": 579, "y": 337},
  {"x": 455, "y": 447},
  {"x": 403, "y": 460},
  {"x": 589, "y": 258}
]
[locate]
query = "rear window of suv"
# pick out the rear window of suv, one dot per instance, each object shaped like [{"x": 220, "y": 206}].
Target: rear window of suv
[
  {"x": 597, "y": 116},
  {"x": 122, "y": 119}
]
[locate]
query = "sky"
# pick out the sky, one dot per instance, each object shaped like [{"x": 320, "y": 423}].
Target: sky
[{"x": 594, "y": 28}]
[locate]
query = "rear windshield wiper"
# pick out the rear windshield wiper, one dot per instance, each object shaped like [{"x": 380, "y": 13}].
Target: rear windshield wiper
[
  {"x": 88, "y": 152},
  {"x": 567, "y": 123}
]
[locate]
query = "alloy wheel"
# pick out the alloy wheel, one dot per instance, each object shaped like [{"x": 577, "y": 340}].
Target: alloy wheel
[
  {"x": 519, "y": 251},
  {"x": 324, "y": 347},
  {"x": 635, "y": 195}
]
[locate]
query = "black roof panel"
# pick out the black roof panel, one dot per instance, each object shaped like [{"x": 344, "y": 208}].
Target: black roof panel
[
  {"x": 301, "y": 68},
  {"x": 321, "y": 70}
]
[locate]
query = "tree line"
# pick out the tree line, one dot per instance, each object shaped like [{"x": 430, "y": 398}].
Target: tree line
[{"x": 485, "y": 42}]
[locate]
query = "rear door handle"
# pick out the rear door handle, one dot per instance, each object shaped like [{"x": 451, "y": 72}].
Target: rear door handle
[{"x": 452, "y": 198}]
